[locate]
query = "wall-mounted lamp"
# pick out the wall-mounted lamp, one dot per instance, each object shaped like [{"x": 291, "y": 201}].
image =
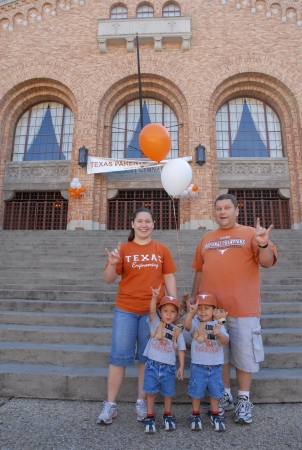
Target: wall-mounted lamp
[
  {"x": 83, "y": 157},
  {"x": 200, "y": 155}
]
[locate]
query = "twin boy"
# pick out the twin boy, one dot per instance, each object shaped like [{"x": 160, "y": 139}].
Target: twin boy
[{"x": 166, "y": 338}]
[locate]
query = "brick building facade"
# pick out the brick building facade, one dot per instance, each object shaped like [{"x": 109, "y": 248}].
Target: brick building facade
[{"x": 229, "y": 72}]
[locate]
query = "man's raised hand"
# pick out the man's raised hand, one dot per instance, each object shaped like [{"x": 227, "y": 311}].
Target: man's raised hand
[{"x": 262, "y": 234}]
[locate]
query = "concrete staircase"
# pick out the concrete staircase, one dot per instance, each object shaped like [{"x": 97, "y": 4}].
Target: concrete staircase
[{"x": 56, "y": 314}]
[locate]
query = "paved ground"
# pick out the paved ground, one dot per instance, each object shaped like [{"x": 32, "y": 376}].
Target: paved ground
[{"x": 29, "y": 424}]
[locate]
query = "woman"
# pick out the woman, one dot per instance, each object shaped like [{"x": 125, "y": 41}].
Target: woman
[{"x": 143, "y": 264}]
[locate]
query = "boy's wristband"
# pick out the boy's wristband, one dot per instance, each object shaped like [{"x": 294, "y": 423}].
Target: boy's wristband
[{"x": 263, "y": 246}]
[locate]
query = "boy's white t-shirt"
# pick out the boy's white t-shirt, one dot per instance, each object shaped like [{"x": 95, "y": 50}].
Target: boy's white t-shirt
[
  {"x": 209, "y": 352},
  {"x": 162, "y": 350}
]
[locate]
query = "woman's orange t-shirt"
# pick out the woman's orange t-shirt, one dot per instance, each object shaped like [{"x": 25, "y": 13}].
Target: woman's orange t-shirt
[{"x": 142, "y": 267}]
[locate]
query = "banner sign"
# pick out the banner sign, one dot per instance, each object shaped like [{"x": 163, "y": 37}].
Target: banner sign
[{"x": 105, "y": 165}]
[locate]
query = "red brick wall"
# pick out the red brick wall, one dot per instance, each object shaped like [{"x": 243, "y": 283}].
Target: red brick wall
[{"x": 233, "y": 53}]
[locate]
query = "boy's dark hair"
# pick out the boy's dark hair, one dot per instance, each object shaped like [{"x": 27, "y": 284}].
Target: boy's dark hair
[
  {"x": 227, "y": 197},
  {"x": 135, "y": 213}
]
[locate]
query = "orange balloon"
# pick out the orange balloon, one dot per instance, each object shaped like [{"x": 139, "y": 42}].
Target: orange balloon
[
  {"x": 155, "y": 141},
  {"x": 195, "y": 188},
  {"x": 72, "y": 194},
  {"x": 82, "y": 189}
]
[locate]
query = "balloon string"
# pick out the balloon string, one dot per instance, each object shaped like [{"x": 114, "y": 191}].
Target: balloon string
[
  {"x": 179, "y": 248},
  {"x": 79, "y": 213}
]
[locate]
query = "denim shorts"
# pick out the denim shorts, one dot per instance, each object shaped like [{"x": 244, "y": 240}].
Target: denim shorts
[
  {"x": 159, "y": 377},
  {"x": 130, "y": 334},
  {"x": 206, "y": 377},
  {"x": 245, "y": 349}
]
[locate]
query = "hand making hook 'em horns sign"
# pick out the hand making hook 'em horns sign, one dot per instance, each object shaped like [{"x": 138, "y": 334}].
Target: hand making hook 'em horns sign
[
  {"x": 262, "y": 234},
  {"x": 114, "y": 256}
]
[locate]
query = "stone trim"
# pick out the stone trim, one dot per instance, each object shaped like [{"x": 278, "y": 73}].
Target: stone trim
[
  {"x": 36, "y": 175},
  {"x": 156, "y": 30},
  {"x": 253, "y": 173}
]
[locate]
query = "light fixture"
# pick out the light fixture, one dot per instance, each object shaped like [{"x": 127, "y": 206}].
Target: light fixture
[
  {"x": 83, "y": 157},
  {"x": 200, "y": 154}
]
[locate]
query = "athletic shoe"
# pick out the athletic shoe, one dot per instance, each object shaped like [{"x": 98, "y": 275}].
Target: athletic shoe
[
  {"x": 225, "y": 404},
  {"x": 195, "y": 422},
  {"x": 169, "y": 422},
  {"x": 140, "y": 409},
  {"x": 218, "y": 422},
  {"x": 149, "y": 424},
  {"x": 108, "y": 413},
  {"x": 243, "y": 411}
]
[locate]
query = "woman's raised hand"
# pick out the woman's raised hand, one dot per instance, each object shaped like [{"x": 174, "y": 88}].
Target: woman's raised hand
[{"x": 114, "y": 256}]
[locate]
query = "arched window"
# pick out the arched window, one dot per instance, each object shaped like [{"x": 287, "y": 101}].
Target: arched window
[
  {"x": 126, "y": 127},
  {"x": 119, "y": 12},
  {"x": 171, "y": 10},
  {"x": 144, "y": 11},
  {"x": 247, "y": 127},
  {"x": 44, "y": 132}
]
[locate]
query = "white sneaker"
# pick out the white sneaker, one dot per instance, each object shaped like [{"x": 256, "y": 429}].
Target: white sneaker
[
  {"x": 141, "y": 409},
  {"x": 225, "y": 404},
  {"x": 108, "y": 413},
  {"x": 243, "y": 411}
]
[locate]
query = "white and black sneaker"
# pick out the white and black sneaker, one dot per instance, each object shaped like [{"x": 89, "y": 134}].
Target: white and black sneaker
[{"x": 243, "y": 411}]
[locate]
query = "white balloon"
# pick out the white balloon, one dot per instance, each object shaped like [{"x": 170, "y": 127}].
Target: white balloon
[
  {"x": 73, "y": 184},
  {"x": 185, "y": 193},
  {"x": 176, "y": 175},
  {"x": 75, "y": 180},
  {"x": 78, "y": 185},
  {"x": 189, "y": 189},
  {"x": 193, "y": 194}
]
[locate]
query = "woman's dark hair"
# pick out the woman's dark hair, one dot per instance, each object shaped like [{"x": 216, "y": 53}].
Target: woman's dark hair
[{"x": 136, "y": 212}]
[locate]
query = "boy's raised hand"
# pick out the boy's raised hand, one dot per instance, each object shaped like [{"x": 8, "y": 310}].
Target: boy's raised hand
[
  {"x": 192, "y": 307},
  {"x": 155, "y": 292}
]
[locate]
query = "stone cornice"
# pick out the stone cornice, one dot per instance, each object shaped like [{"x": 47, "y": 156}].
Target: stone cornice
[
  {"x": 154, "y": 29},
  {"x": 253, "y": 172}
]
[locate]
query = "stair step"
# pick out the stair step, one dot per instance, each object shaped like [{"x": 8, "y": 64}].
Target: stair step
[
  {"x": 56, "y": 306},
  {"x": 90, "y": 383},
  {"x": 49, "y": 353},
  {"x": 281, "y": 320},
  {"x": 48, "y": 318},
  {"x": 55, "y": 334},
  {"x": 281, "y": 336}
]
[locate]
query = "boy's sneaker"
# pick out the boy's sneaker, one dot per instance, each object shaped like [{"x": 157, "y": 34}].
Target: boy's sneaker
[
  {"x": 140, "y": 409},
  {"x": 243, "y": 411},
  {"x": 195, "y": 422},
  {"x": 108, "y": 413},
  {"x": 149, "y": 424},
  {"x": 225, "y": 404},
  {"x": 169, "y": 422},
  {"x": 218, "y": 422}
]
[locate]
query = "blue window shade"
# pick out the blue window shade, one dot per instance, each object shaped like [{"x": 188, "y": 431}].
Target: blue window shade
[
  {"x": 133, "y": 149},
  {"x": 248, "y": 142},
  {"x": 45, "y": 145}
]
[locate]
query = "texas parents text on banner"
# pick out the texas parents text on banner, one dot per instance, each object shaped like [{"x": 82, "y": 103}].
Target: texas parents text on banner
[{"x": 105, "y": 165}]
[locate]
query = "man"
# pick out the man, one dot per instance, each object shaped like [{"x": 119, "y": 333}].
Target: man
[{"x": 227, "y": 265}]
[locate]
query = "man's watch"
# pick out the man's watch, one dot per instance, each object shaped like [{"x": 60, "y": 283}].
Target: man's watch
[{"x": 263, "y": 246}]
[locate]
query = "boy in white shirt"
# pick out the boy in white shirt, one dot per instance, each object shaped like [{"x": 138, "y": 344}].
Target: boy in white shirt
[
  {"x": 206, "y": 359},
  {"x": 160, "y": 367}
]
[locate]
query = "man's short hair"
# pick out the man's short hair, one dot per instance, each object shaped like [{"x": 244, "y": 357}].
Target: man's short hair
[{"x": 227, "y": 197}]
